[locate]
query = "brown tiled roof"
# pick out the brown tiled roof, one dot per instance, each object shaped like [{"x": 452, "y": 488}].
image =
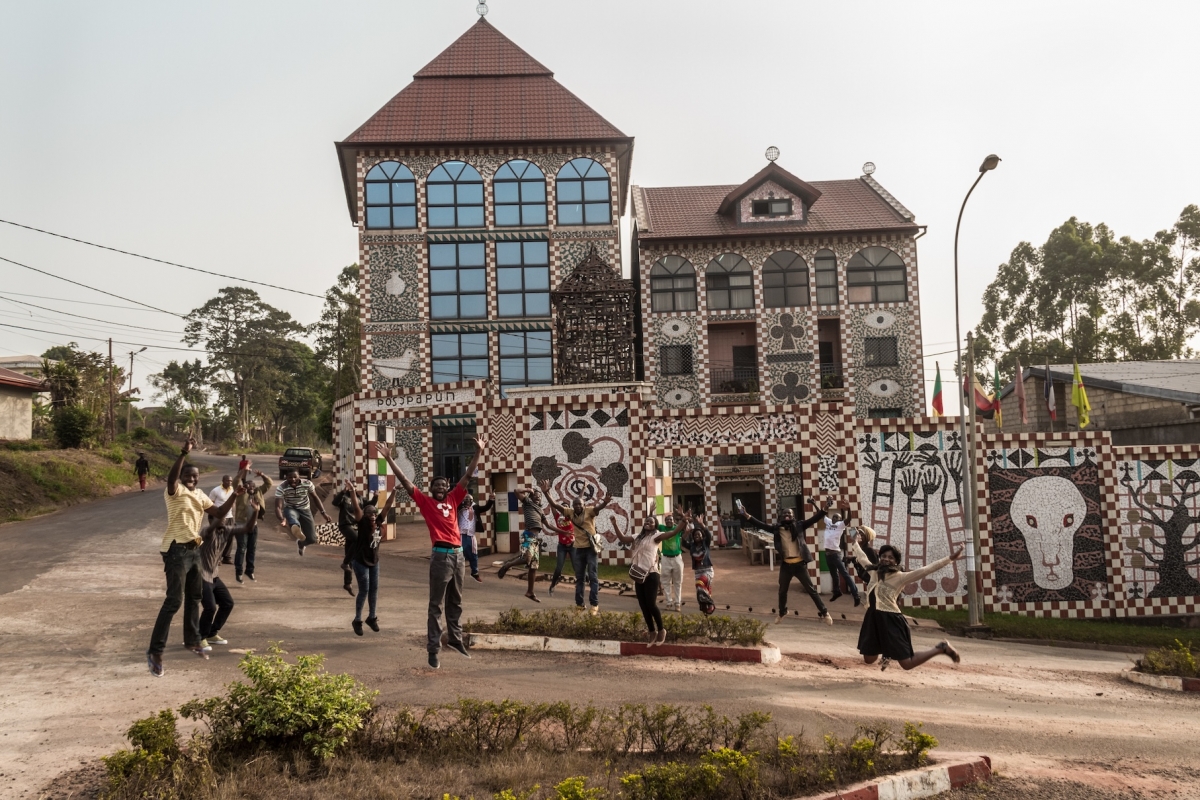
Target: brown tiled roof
[
  {"x": 17, "y": 380},
  {"x": 771, "y": 172},
  {"x": 682, "y": 212},
  {"x": 482, "y": 50}
]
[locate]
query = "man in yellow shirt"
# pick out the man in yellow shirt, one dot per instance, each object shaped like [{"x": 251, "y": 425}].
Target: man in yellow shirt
[
  {"x": 585, "y": 557},
  {"x": 186, "y": 507}
]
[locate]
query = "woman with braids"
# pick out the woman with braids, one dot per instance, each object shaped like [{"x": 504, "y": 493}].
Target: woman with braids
[
  {"x": 645, "y": 571},
  {"x": 884, "y": 629}
]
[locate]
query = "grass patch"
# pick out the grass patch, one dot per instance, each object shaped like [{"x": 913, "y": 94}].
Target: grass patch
[
  {"x": 627, "y": 627},
  {"x": 1015, "y": 626},
  {"x": 1175, "y": 659}
]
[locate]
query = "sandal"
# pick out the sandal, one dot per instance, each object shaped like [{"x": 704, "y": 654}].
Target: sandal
[
  {"x": 885, "y": 663},
  {"x": 945, "y": 647},
  {"x": 533, "y": 597}
]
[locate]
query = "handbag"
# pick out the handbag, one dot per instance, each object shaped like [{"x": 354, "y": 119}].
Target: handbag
[{"x": 638, "y": 573}]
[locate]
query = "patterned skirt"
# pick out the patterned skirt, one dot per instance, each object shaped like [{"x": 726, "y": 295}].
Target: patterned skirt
[{"x": 704, "y": 579}]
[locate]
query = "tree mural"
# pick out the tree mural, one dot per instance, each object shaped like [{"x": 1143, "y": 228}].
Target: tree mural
[{"x": 1166, "y": 519}]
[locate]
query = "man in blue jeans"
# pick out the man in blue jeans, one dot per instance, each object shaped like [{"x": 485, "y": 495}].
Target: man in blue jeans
[
  {"x": 585, "y": 558},
  {"x": 292, "y": 507}
]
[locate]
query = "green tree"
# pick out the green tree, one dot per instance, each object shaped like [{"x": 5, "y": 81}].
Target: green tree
[
  {"x": 185, "y": 390},
  {"x": 337, "y": 335}
]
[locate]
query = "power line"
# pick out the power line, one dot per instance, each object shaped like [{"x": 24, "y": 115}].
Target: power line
[
  {"x": 65, "y": 300},
  {"x": 159, "y": 260},
  {"x": 153, "y": 346},
  {"x": 93, "y": 288},
  {"x": 80, "y": 316}
]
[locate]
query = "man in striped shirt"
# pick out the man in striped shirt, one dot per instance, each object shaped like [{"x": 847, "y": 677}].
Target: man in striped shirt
[{"x": 292, "y": 506}]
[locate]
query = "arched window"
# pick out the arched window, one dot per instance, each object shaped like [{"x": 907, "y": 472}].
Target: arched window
[
  {"x": 785, "y": 280},
  {"x": 875, "y": 275},
  {"x": 391, "y": 196},
  {"x": 730, "y": 282},
  {"x": 455, "y": 193},
  {"x": 520, "y": 189},
  {"x": 827, "y": 288},
  {"x": 583, "y": 194},
  {"x": 673, "y": 285}
]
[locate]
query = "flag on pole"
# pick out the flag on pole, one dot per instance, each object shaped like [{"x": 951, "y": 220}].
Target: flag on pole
[
  {"x": 1019, "y": 386},
  {"x": 1049, "y": 392},
  {"x": 983, "y": 401},
  {"x": 1079, "y": 399},
  {"x": 938, "y": 410},
  {"x": 997, "y": 414}
]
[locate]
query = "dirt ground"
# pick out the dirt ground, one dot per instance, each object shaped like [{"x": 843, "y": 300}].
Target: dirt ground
[{"x": 79, "y": 591}]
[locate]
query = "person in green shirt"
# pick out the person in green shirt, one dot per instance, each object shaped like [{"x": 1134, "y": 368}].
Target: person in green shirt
[{"x": 672, "y": 571}]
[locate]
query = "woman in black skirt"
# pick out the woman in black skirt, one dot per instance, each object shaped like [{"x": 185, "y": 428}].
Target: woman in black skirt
[{"x": 884, "y": 629}]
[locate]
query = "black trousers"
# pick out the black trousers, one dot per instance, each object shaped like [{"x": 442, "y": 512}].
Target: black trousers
[
  {"x": 247, "y": 545},
  {"x": 799, "y": 570},
  {"x": 647, "y": 597},
  {"x": 184, "y": 588},
  {"x": 218, "y": 604},
  {"x": 350, "y": 535}
]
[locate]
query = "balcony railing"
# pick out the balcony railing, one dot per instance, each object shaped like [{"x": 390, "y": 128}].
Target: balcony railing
[
  {"x": 738, "y": 380},
  {"x": 831, "y": 376}
]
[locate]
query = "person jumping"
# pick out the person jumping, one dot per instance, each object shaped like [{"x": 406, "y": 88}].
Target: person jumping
[{"x": 791, "y": 545}]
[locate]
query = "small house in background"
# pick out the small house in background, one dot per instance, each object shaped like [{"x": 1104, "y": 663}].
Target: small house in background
[
  {"x": 1139, "y": 402},
  {"x": 16, "y": 403},
  {"x": 27, "y": 364}
]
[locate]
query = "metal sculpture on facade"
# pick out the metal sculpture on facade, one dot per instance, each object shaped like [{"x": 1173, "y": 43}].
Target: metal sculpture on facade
[{"x": 594, "y": 325}]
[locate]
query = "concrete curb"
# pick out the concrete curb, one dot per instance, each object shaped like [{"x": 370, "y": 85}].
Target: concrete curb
[
  {"x": 767, "y": 654},
  {"x": 928, "y": 781},
  {"x": 1168, "y": 682}
]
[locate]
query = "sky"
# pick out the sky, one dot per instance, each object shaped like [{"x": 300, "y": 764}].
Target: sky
[{"x": 203, "y": 133}]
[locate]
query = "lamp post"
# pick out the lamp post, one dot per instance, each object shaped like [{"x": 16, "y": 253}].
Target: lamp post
[
  {"x": 974, "y": 609},
  {"x": 129, "y": 405}
]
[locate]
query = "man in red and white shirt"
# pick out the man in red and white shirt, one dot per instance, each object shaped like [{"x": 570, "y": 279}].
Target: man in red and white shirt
[{"x": 447, "y": 564}]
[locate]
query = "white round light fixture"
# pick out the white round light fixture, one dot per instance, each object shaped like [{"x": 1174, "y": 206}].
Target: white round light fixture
[
  {"x": 868, "y": 167},
  {"x": 481, "y": 9},
  {"x": 772, "y": 153}
]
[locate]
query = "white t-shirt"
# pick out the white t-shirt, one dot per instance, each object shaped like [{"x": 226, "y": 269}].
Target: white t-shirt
[
  {"x": 219, "y": 495},
  {"x": 833, "y": 534}
]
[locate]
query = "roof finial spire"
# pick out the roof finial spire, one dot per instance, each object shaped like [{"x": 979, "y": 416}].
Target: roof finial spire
[
  {"x": 772, "y": 153},
  {"x": 481, "y": 9}
]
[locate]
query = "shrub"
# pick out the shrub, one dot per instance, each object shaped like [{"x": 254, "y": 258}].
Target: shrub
[
  {"x": 155, "y": 748},
  {"x": 73, "y": 427},
  {"x": 576, "y": 789},
  {"x": 624, "y": 626},
  {"x": 285, "y": 705},
  {"x": 1176, "y": 659},
  {"x": 916, "y": 744}
]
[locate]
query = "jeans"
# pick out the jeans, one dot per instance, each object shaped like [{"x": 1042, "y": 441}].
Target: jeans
[
  {"x": 561, "y": 556},
  {"x": 302, "y": 517},
  {"x": 350, "y": 537},
  {"x": 798, "y": 570},
  {"x": 585, "y": 561},
  {"x": 837, "y": 569},
  {"x": 247, "y": 544},
  {"x": 471, "y": 552},
  {"x": 218, "y": 604},
  {"x": 647, "y": 597},
  {"x": 672, "y": 579},
  {"x": 368, "y": 588},
  {"x": 184, "y": 587},
  {"x": 445, "y": 588}
]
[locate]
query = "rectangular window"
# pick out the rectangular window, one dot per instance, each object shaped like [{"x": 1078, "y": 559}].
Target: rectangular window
[
  {"x": 459, "y": 357},
  {"x": 771, "y": 208},
  {"x": 827, "y": 290},
  {"x": 884, "y": 413},
  {"x": 457, "y": 281},
  {"x": 676, "y": 359},
  {"x": 876, "y": 286},
  {"x": 880, "y": 351},
  {"x": 525, "y": 359},
  {"x": 523, "y": 279}
]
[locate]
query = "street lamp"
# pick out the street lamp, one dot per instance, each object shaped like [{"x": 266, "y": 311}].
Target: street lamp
[{"x": 974, "y": 609}]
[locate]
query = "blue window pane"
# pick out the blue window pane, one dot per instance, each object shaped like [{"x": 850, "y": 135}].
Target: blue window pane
[
  {"x": 538, "y": 370},
  {"x": 534, "y": 214},
  {"x": 470, "y": 217},
  {"x": 537, "y": 305},
  {"x": 508, "y": 279},
  {"x": 507, "y": 192},
  {"x": 472, "y": 280},
  {"x": 376, "y": 173},
  {"x": 474, "y": 345},
  {"x": 439, "y": 174},
  {"x": 442, "y": 255},
  {"x": 537, "y": 252},
  {"x": 443, "y": 307},
  {"x": 470, "y": 194},
  {"x": 508, "y": 253},
  {"x": 402, "y": 173},
  {"x": 441, "y": 194},
  {"x": 445, "y": 345},
  {"x": 506, "y": 171},
  {"x": 537, "y": 278},
  {"x": 508, "y": 215},
  {"x": 405, "y": 192},
  {"x": 445, "y": 371},
  {"x": 473, "y": 307},
  {"x": 471, "y": 255},
  {"x": 379, "y": 217},
  {"x": 570, "y": 214},
  {"x": 512, "y": 344},
  {"x": 441, "y": 281},
  {"x": 597, "y": 213},
  {"x": 533, "y": 192},
  {"x": 467, "y": 173},
  {"x": 474, "y": 369},
  {"x": 537, "y": 343},
  {"x": 595, "y": 190},
  {"x": 377, "y": 193},
  {"x": 570, "y": 191},
  {"x": 512, "y": 370},
  {"x": 404, "y": 217},
  {"x": 441, "y": 217},
  {"x": 509, "y": 305}
]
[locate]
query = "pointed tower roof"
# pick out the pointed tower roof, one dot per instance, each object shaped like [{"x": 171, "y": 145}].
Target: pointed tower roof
[{"x": 482, "y": 89}]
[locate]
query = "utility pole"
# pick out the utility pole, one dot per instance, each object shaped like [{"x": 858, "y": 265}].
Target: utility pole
[
  {"x": 975, "y": 559},
  {"x": 337, "y": 345},
  {"x": 129, "y": 407},
  {"x": 112, "y": 390}
]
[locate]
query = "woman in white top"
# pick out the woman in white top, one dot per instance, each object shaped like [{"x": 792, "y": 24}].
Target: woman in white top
[
  {"x": 884, "y": 629},
  {"x": 644, "y": 549}
]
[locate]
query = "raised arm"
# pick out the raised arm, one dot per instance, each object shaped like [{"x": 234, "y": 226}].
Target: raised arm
[
  {"x": 758, "y": 523},
  {"x": 622, "y": 538},
  {"x": 399, "y": 473},
  {"x": 480, "y": 443},
  {"x": 664, "y": 535},
  {"x": 173, "y": 475},
  {"x": 222, "y": 511},
  {"x": 603, "y": 503},
  {"x": 544, "y": 485},
  {"x": 905, "y": 578},
  {"x": 350, "y": 497},
  {"x": 815, "y": 518},
  {"x": 483, "y": 508}
]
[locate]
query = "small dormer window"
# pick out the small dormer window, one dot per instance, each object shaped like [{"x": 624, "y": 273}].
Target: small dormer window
[{"x": 771, "y": 208}]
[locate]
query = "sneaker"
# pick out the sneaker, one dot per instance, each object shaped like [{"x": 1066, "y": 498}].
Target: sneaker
[
  {"x": 502, "y": 572},
  {"x": 779, "y": 618},
  {"x": 885, "y": 663},
  {"x": 239, "y": 579},
  {"x": 550, "y": 591},
  {"x": 297, "y": 533},
  {"x": 357, "y": 625},
  {"x": 349, "y": 589},
  {"x": 857, "y": 602},
  {"x": 478, "y": 579},
  {"x": 834, "y": 596},
  {"x": 250, "y": 575},
  {"x": 827, "y": 618},
  {"x": 201, "y": 650},
  {"x": 205, "y": 645},
  {"x": 300, "y": 547},
  {"x": 433, "y": 661},
  {"x": 458, "y": 647},
  {"x": 946, "y": 648},
  {"x": 154, "y": 662},
  {"x": 373, "y": 624},
  {"x": 595, "y": 611},
  {"x": 217, "y": 640}
]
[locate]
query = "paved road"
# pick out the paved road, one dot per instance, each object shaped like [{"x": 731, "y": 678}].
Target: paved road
[{"x": 79, "y": 591}]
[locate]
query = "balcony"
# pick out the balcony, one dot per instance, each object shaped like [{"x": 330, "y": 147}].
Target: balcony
[
  {"x": 833, "y": 387},
  {"x": 734, "y": 381}
]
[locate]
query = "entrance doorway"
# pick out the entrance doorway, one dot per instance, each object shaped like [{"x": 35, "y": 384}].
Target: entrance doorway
[
  {"x": 453, "y": 447},
  {"x": 752, "y": 501}
]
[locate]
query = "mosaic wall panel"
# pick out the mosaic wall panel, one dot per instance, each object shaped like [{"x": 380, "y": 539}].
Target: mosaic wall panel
[
  {"x": 748, "y": 429},
  {"x": 397, "y": 363},
  {"x": 1159, "y": 508},
  {"x": 1047, "y": 527},
  {"x": 911, "y": 492},
  {"x": 345, "y": 442},
  {"x": 884, "y": 387},
  {"x": 678, "y": 391},
  {"x": 789, "y": 484},
  {"x": 789, "y": 462},
  {"x": 397, "y": 285},
  {"x": 687, "y": 465},
  {"x": 586, "y": 454},
  {"x": 788, "y": 356}
]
